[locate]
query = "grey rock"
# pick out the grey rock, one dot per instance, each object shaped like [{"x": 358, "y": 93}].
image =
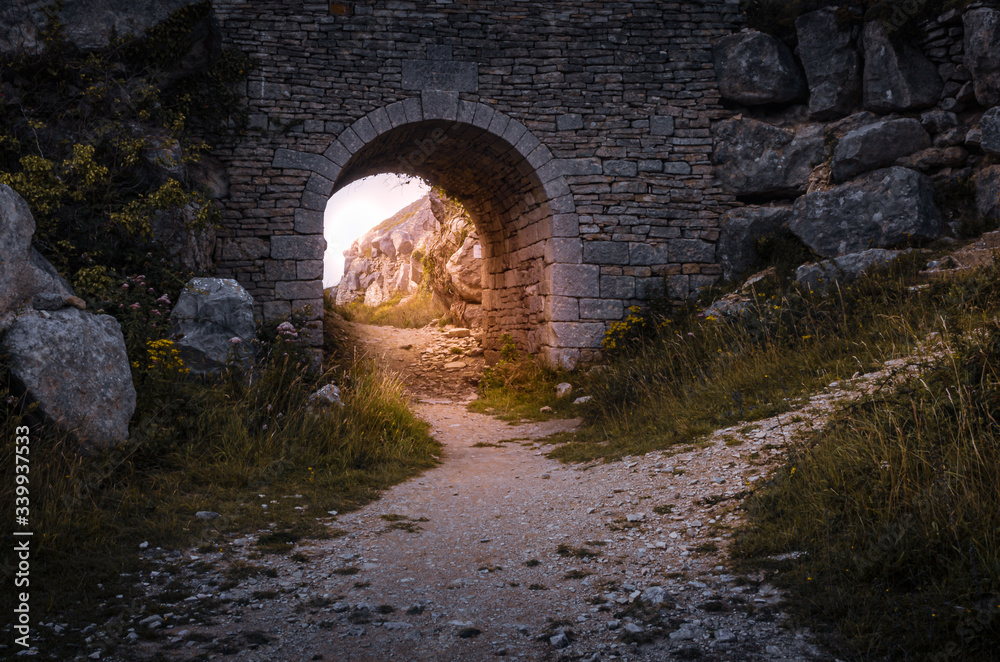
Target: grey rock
[
  {"x": 211, "y": 312},
  {"x": 755, "y": 68},
  {"x": 753, "y": 158},
  {"x": 559, "y": 641},
  {"x": 896, "y": 79},
  {"x": 741, "y": 228},
  {"x": 831, "y": 63},
  {"x": 876, "y": 146},
  {"x": 989, "y": 126},
  {"x": 563, "y": 389},
  {"x": 328, "y": 396},
  {"x": 584, "y": 400},
  {"x": 634, "y": 628},
  {"x": 880, "y": 209},
  {"x": 24, "y": 273},
  {"x": 982, "y": 53},
  {"x": 820, "y": 276},
  {"x": 656, "y": 595},
  {"x": 988, "y": 193},
  {"x": 207, "y": 514},
  {"x": 74, "y": 365}
]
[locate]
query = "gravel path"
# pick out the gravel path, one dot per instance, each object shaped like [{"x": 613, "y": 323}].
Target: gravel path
[{"x": 500, "y": 552}]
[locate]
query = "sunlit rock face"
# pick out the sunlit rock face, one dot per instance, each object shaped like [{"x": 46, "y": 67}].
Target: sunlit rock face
[{"x": 430, "y": 244}]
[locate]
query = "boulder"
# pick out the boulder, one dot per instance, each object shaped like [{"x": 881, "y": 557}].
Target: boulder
[
  {"x": 896, "y": 78},
  {"x": 820, "y": 276},
  {"x": 982, "y": 53},
  {"x": 988, "y": 193},
  {"x": 831, "y": 63},
  {"x": 741, "y": 227},
  {"x": 191, "y": 244},
  {"x": 753, "y": 158},
  {"x": 880, "y": 209},
  {"x": 212, "y": 324},
  {"x": 24, "y": 272},
  {"x": 465, "y": 270},
  {"x": 74, "y": 365},
  {"x": 385, "y": 246},
  {"x": 755, "y": 68},
  {"x": 876, "y": 146},
  {"x": 989, "y": 127}
]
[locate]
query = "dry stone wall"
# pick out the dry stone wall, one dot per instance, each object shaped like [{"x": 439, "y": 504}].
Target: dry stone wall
[{"x": 577, "y": 135}]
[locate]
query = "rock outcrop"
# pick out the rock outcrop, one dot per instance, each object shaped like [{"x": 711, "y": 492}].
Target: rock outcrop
[
  {"x": 432, "y": 245},
  {"x": 212, "y": 325}
]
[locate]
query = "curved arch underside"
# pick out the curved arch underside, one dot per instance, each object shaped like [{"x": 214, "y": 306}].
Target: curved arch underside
[{"x": 510, "y": 185}]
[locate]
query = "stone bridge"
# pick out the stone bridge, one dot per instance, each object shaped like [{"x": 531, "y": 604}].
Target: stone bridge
[{"x": 577, "y": 135}]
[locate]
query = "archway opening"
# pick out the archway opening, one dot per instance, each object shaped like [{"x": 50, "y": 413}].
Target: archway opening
[{"x": 506, "y": 200}]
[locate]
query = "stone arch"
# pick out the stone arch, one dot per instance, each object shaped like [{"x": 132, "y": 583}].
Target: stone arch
[{"x": 513, "y": 188}]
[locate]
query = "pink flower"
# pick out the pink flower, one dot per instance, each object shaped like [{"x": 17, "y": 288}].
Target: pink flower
[
  {"x": 135, "y": 306},
  {"x": 155, "y": 311},
  {"x": 124, "y": 286},
  {"x": 164, "y": 300},
  {"x": 235, "y": 341}
]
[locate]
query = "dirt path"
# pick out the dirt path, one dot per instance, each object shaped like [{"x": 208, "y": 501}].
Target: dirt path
[{"x": 502, "y": 552}]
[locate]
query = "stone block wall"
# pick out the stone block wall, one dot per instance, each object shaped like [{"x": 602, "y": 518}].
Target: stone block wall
[{"x": 577, "y": 135}]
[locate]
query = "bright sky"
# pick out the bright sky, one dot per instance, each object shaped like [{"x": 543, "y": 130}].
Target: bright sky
[{"x": 358, "y": 207}]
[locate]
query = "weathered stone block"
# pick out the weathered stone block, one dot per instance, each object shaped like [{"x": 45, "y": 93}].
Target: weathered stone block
[
  {"x": 565, "y": 250},
  {"x": 244, "y": 248},
  {"x": 617, "y": 287},
  {"x": 569, "y": 122},
  {"x": 601, "y": 309},
  {"x": 584, "y": 166},
  {"x": 561, "y": 309},
  {"x": 831, "y": 63},
  {"x": 661, "y": 125},
  {"x": 577, "y": 280},
  {"x": 691, "y": 250},
  {"x": 298, "y": 289},
  {"x": 617, "y": 168},
  {"x": 605, "y": 252},
  {"x": 440, "y": 75},
  {"x": 309, "y": 269},
  {"x": 573, "y": 334},
  {"x": 297, "y": 247}
]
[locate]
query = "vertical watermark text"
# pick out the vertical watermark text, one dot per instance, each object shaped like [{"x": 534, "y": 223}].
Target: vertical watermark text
[{"x": 22, "y": 536}]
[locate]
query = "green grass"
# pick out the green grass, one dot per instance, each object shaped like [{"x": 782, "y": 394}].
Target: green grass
[
  {"x": 231, "y": 446},
  {"x": 518, "y": 386},
  {"x": 896, "y": 507},
  {"x": 416, "y": 312},
  {"x": 673, "y": 380}
]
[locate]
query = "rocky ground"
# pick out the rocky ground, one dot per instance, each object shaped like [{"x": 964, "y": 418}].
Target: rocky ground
[{"x": 499, "y": 552}]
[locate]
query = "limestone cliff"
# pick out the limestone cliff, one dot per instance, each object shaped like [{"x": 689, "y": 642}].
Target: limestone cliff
[{"x": 430, "y": 245}]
